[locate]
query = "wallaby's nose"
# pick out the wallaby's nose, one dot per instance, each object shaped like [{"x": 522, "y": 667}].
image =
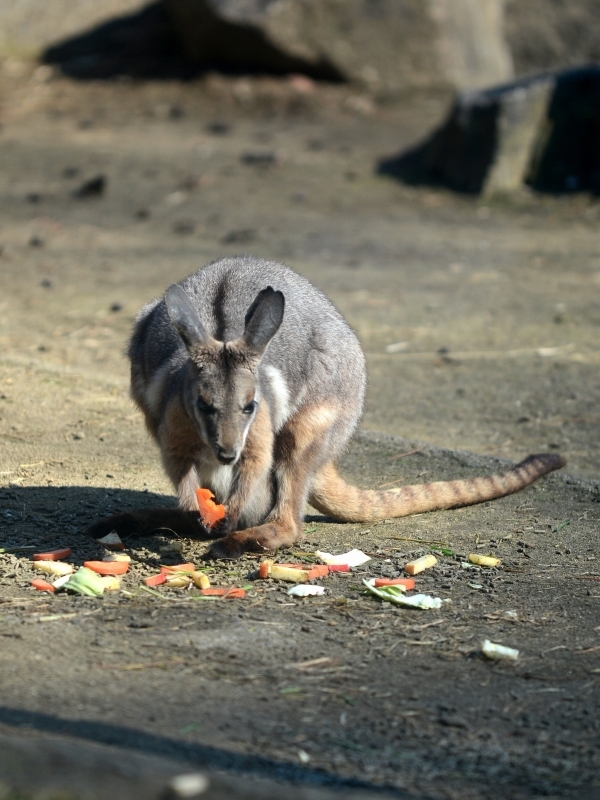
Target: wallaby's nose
[{"x": 226, "y": 456}]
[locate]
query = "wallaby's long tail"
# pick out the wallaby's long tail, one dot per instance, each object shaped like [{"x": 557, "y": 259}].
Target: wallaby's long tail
[{"x": 331, "y": 495}]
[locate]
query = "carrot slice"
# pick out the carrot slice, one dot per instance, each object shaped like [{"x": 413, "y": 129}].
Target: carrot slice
[
  {"x": 339, "y": 568},
  {"x": 264, "y": 569},
  {"x": 318, "y": 571},
  {"x": 42, "y": 586},
  {"x": 156, "y": 580},
  {"x": 407, "y": 582},
  {"x": 53, "y": 555},
  {"x": 107, "y": 567},
  {"x": 188, "y": 567},
  {"x": 210, "y": 512},
  {"x": 214, "y": 592}
]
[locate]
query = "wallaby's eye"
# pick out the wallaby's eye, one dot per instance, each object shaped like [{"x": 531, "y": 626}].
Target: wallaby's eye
[
  {"x": 249, "y": 407},
  {"x": 205, "y": 407}
]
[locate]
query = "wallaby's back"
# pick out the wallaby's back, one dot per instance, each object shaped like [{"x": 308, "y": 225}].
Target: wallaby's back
[{"x": 315, "y": 353}]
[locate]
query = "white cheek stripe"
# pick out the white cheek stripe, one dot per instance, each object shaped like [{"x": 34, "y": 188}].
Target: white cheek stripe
[{"x": 282, "y": 408}]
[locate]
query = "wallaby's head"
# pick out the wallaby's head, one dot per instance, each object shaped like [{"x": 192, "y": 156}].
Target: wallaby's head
[{"x": 222, "y": 392}]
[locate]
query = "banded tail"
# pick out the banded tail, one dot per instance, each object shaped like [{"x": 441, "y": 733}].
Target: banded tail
[{"x": 331, "y": 495}]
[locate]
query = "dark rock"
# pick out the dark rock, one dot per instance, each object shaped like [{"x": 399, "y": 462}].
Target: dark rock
[
  {"x": 243, "y": 236},
  {"x": 184, "y": 227},
  {"x": 259, "y": 159},
  {"x": 93, "y": 188},
  {"x": 543, "y": 132},
  {"x": 384, "y": 44}
]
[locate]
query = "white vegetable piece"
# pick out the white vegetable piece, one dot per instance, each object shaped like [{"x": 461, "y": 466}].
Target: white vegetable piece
[
  {"x": 483, "y": 561},
  {"x": 354, "y": 558},
  {"x": 498, "y": 652},
  {"x": 60, "y": 582},
  {"x": 306, "y": 590}
]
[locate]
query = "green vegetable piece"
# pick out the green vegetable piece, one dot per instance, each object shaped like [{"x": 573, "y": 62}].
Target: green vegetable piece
[{"x": 85, "y": 581}]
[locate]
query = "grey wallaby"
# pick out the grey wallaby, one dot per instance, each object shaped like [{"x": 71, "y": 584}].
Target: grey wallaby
[{"x": 252, "y": 384}]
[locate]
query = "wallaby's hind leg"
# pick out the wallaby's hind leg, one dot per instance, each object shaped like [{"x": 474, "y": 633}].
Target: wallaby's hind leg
[{"x": 301, "y": 447}]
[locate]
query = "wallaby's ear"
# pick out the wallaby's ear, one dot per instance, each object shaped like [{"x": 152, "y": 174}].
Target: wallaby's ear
[
  {"x": 263, "y": 319},
  {"x": 185, "y": 318}
]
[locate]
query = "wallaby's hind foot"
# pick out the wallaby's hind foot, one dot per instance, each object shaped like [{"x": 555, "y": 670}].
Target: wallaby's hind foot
[
  {"x": 151, "y": 520},
  {"x": 269, "y": 536}
]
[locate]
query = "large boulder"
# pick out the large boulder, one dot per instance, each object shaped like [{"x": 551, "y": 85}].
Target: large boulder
[
  {"x": 543, "y": 132},
  {"x": 388, "y": 45}
]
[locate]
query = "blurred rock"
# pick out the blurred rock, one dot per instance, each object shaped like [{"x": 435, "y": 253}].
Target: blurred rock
[
  {"x": 385, "y": 45},
  {"x": 543, "y": 132}
]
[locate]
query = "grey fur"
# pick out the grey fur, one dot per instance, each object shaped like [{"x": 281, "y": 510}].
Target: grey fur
[{"x": 314, "y": 350}]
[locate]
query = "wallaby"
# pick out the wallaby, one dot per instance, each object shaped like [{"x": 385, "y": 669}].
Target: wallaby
[{"x": 252, "y": 384}]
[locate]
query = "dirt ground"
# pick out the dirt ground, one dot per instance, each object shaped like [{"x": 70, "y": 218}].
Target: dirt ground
[{"x": 481, "y": 324}]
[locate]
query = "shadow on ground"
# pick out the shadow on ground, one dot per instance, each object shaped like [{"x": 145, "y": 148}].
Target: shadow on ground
[
  {"x": 145, "y": 45},
  {"x": 167, "y": 747}
]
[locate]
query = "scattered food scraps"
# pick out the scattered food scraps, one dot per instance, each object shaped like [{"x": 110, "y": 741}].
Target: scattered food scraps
[
  {"x": 189, "y": 567},
  {"x": 483, "y": 561},
  {"x": 214, "y": 592},
  {"x": 354, "y": 558},
  {"x": 53, "y": 567},
  {"x": 395, "y": 594},
  {"x": 423, "y": 563},
  {"x": 42, "y": 585},
  {"x": 112, "y": 541},
  {"x": 497, "y": 652},
  {"x": 85, "y": 581},
  {"x": 107, "y": 567},
  {"x": 111, "y": 583},
  {"x": 264, "y": 569},
  {"x": 303, "y": 590},
  {"x": 210, "y": 512},
  {"x": 408, "y": 583},
  {"x": 292, "y": 574},
  {"x": 53, "y": 555},
  {"x": 156, "y": 580},
  {"x": 180, "y": 581},
  {"x": 200, "y": 580}
]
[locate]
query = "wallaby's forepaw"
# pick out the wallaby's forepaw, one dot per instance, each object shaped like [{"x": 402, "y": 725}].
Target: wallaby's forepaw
[{"x": 224, "y": 527}]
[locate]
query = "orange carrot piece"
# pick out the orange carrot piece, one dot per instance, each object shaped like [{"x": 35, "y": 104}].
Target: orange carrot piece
[
  {"x": 156, "y": 580},
  {"x": 53, "y": 555},
  {"x": 188, "y": 567},
  {"x": 42, "y": 586},
  {"x": 408, "y": 583},
  {"x": 318, "y": 571},
  {"x": 214, "y": 592},
  {"x": 107, "y": 567},
  {"x": 264, "y": 569},
  {"x": 338, "y": 568},
  {"x": 210, "y": 512}
]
